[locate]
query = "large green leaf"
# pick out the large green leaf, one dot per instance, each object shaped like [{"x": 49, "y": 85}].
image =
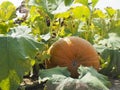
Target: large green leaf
[
  {"x": 17, "y": 49},
  {"x": 93, "y": 79},
  {"x": 54, "y": 71},
  {"x": 58, "y": 79},
  {"x": 48, "y": 5},
  {"x": 59, "y": 82}
]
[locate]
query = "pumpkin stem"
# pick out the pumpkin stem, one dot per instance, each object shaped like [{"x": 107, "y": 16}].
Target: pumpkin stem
[{"x": 74, "y": 63}]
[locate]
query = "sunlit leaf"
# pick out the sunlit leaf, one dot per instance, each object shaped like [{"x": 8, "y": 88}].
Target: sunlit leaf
[
  {"x": 7, "y": 11},
  {"x": 5, "y": 26},
  {"x": 80, "y": 12},
  {"x": 110, "y": 11},
  {"x": 98, "y": 14},
  {"x": 63, "y": 15},
  {"x": 34, "y": 13}
]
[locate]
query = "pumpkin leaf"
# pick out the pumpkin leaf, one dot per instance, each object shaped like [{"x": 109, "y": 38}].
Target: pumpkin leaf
[
  {"x": 112, "y": 42},
  {"x": 52, "y": 6},
  {"x": 93, "y": 79},
  {"x": 109, "y": 50},
  {"x": 59, "y": 82},
  {"x": 54, "y": 71},
  {"x": 59, "y": 78},
  {"x": 89, "y": 79},
  {"x": 17, "y": 49}
]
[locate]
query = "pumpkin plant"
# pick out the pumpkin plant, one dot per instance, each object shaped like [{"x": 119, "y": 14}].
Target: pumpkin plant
[
  {"x": 59, "y": 78},
  {"x": 109, "y": 50},
  {"x": 72, "y": 52},
  {"x": 17, "y": 51}
]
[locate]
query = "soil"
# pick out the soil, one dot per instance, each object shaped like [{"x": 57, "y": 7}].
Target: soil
[
  {"x": 115, "y": 84},
  {"x": 29, "y": 84}
]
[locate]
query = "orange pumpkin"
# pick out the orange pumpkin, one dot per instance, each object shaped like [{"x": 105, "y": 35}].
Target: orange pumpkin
[{"x": 72, "y": 52}]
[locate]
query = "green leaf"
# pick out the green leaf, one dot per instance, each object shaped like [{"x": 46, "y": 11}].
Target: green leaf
[
  {"x": 5, "y": 26},
  {"x": 112, "y": 42},
  {"x": 52, "y": 6},
  {"x": 7, "y": 11},
  {"x": 68, "y": 2},
  {"x": 58, "y": 82},
  {"x": 16, "y": 51},
  {"x": 94, "y": 79},
  {"x": 58, "y": 78},
  {"x": 109, "y": 49},
  {"x": 54, "y": 71},
  {"x": 48, "y": 5},
  {"x": 115, "y": 27}
]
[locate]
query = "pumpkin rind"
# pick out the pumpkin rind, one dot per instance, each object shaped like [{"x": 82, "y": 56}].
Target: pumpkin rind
[{"x": 72, "y": 52}]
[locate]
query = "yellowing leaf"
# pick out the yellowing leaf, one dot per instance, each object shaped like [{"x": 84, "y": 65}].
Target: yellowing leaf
[
  {"x": 63, "y": 15},
  {"x": 98, "y": 14},
  {"x": 7, "y": 11},
  {"x": 80, "y": 12},
  {"x": 110, "y": 11}
]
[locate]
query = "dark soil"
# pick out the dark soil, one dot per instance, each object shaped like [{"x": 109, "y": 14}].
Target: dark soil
[
  {"x": 115, "y": 84},
  {"x": 28, "y": 84}
]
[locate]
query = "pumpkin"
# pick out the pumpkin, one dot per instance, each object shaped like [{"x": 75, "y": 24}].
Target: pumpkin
[{"x": 71, "y": 52}]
